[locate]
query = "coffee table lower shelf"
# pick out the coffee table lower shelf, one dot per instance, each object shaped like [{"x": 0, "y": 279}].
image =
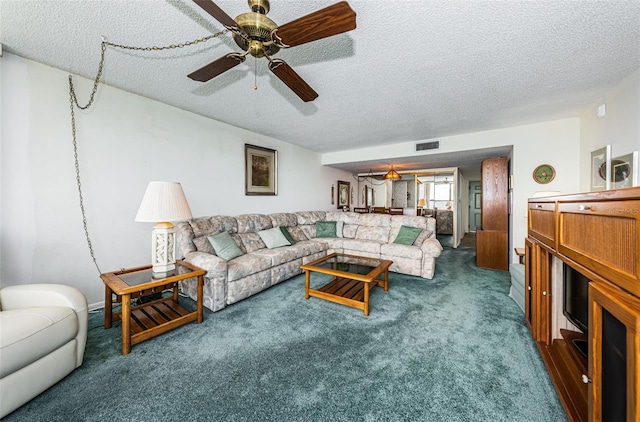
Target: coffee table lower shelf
[{"x": 348, "y": 292}]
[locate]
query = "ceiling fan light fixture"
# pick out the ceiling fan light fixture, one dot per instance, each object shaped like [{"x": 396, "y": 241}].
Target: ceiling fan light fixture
[{"x": 392, "y": 175}]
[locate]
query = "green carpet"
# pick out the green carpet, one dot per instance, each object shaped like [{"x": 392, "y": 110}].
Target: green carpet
[{"x": 455, "y": 348}]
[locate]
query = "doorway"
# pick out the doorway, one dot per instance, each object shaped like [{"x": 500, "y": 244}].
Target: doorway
[{"x": 475, "y": 206}]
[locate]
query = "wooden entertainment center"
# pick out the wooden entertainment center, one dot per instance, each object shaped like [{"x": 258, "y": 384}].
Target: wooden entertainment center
[{"x": 597, "y": 235}]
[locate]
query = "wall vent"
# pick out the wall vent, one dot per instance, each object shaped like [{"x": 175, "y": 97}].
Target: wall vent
[{"x": 428, "y": 145}]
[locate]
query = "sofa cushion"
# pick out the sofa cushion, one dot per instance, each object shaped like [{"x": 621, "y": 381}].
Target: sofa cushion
[
  {"x": 204, "y": 226},
  {"x": 224, "y": 245},
  {"x": 203, "y": 245},
  {"x": 298, "y": 234},
  {"x": 375, "y": 233},
  {"x": 424, "y": 235},
  {"x": 285, "y": 219},
  {"x": 398, "y": 250},
  {"x": 253, "y": 223},
  {"x": 407, "y": 235},
  {"x": 273, "y": 238},
  {"x": 378, "y": 220},
  {"x": 369, "y": 246},
  {"x": 286, "y": 254},
  {"x": 251, "y": 242},
  {"x": 325, "y": 229},
  {"x": 248, "y": 264},
  {"x": 310, "y": 217},
  {"x": 31, "y": 333}
]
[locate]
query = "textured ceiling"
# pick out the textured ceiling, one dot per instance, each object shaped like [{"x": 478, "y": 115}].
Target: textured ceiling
[{"x": 411, "y": 70}]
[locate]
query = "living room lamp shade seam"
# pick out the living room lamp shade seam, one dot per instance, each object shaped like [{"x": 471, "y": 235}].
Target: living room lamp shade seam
[{"x": 162, "y": 203}]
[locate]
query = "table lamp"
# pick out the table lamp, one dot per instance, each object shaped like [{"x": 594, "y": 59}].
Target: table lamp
[
  {"x": 421, "y": 204},
  {"x": 162, "y": 203}
]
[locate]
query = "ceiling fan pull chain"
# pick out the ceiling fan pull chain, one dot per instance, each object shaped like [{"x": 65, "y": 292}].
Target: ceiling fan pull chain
[{"x": 255, "y": 73}]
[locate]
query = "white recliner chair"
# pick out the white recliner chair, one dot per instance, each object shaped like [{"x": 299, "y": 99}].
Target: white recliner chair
[{"x": 43, "y": 332}]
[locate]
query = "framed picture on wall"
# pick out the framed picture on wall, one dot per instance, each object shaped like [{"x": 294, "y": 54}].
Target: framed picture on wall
[
  {"x": 600, "y": 165},
  {"x": 261, "y": 170},
  {"x": 344, "y": 194},
  {"x": 624, "y": 171}
]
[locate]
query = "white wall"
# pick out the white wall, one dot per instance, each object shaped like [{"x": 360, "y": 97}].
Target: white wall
[
  {"x": 124, "y": 141},
  {"x": 556, "y": 143},
  {"x": 620, "y": 127}
]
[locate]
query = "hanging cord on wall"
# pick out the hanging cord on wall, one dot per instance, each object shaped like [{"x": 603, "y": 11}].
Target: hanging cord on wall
[{"x": 73, "y": 102}]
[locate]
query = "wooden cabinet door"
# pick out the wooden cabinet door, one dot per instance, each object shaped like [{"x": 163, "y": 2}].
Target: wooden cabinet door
[
  {"x": 542, "y": 295},
  {"x": 538, "y": 291},
  {"x": 614, "y": 354},
  {"x": 604, "y": 237},
  {"x": 529, "y": 258},
  {"x": 542, "y": 222},
  {"x": 495, "y": 185}
]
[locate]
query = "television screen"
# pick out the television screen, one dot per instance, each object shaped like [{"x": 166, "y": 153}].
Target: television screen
[{"x": 576, "y": 298}]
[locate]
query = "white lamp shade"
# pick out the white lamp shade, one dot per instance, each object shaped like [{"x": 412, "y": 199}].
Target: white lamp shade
[{"x": 163, "y": 201}]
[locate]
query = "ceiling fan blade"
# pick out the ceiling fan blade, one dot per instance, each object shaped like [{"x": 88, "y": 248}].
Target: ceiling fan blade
[
  {"x": 323, "y": 23},
  {"x": 286, "y": 74},
  {"x": 219, "y": 14},
  {"x": 217, "y": 67}
]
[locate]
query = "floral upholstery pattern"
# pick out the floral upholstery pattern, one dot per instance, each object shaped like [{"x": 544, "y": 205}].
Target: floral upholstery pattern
[
  {"x": 184, "y": 239},
  {"x": 253, "y": 223},
  {"x": 245, "y": 265},
  {"x": 297, "y": 233},
  {"x": 251, "y": 242},
  {"x": 310, "y": 217},
  {"x": 375, "y": 233},
  {"x": 283, "y": 219},
  {"x": 203, "y": 245},
  {"x": 369, "y": 235}
]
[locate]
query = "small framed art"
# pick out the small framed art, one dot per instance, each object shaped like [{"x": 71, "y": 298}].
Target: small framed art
[
  {"x": 344, "y": 194},
  {"x": 624, "y": 171},
  {"x": 261, "y": 170},
  {"x": 600, "y": 165}
]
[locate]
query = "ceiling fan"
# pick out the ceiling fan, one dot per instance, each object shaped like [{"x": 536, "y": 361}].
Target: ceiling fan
[{"x": 259, "y": 36}]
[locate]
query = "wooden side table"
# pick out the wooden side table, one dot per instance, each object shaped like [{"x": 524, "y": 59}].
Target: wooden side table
[{"x": 142, "y": 322}]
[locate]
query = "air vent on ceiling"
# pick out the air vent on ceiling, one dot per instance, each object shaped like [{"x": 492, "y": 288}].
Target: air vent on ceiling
[{"x": 428, "y": 145}]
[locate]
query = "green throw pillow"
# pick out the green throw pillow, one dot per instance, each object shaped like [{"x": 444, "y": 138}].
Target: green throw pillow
[
  {"x": 286, "y": 234},
  {"x": 339, "y": 228},
  {"x": 224, "y": 245},
  {"x": 273, "y": 238},
  {"x": 407, "y": 235},
  {"x": 325, "y": 229}
]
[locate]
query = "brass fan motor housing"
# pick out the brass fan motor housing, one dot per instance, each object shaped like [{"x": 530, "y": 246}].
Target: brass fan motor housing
[
  {"x": 259, "y": 6},
  {"x": 258, "y": 27}
]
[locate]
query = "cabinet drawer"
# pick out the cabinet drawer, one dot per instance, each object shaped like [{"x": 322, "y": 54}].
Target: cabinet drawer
[
  {"x": 542, "y": 222},
  {"x": 604, "y": 237}
]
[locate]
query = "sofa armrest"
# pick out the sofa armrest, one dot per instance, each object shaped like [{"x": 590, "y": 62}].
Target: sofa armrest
[
  {"x": 33, "y": 295},
  {"x": 215, "y": 266},
  {"x": 431, "y": 247}
]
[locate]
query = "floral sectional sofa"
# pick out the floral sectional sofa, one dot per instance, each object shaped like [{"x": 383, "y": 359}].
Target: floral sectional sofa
[{"x": 259, "y": 268}]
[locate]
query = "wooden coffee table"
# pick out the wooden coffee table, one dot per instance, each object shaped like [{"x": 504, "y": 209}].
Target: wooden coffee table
[
  {"x": 142, "y": 322},
  {"x": 353, "y": 278}
]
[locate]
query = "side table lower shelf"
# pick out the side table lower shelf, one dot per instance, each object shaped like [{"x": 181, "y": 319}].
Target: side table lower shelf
[{"x": 155, "y": 318}]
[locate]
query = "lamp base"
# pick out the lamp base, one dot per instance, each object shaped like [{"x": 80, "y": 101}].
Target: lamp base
[
  {"x": 158, "y": 274},
  {"x": 163, "y": 256}
]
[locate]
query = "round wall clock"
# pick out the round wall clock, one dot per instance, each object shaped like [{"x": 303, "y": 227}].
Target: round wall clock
[{"x": 544, "y": 173}]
